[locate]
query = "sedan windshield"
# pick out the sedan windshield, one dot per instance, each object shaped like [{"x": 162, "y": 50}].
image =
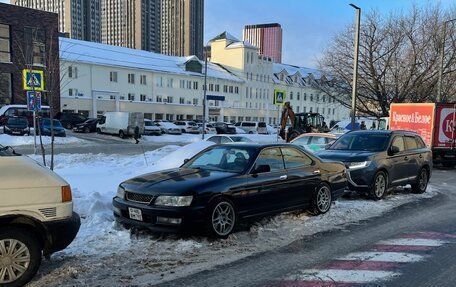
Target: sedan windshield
[
  {"x": 222, "y": 158},
  {"x": 361, "y": 142}
]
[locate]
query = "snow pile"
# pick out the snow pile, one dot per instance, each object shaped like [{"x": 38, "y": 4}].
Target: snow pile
[
  {"x": 184, "y": 138},
  {"x": 6, "y": 140}
]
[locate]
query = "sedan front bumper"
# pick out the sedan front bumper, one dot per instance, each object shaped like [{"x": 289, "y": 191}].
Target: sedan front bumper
[{"x": 152, "y": 216}]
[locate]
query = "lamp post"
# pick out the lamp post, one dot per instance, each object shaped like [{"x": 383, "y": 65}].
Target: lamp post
[
  {"x": 442, "y": 54},
  {"x": 355, "y": 66},
  {"x": 204, "y": 92}
]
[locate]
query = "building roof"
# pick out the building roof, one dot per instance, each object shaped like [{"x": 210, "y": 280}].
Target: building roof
[
  {"x": 225, "y": 35},
  {"x": 241, "y": 44},
  {"x": 108, "y": 55},
  {"x": 291, "y": 70}
]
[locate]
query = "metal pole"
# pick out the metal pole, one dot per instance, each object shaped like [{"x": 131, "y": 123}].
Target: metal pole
[
  {"x": 355, "y": 67},
  {"x": 204, "y": 95},
  {"x": 278, "y": 123},
  {"x": 442, "y": 54}
]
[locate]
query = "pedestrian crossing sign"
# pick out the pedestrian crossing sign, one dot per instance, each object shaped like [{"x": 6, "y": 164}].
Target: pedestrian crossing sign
[
  {"x": 279, "y": 97},
  {"x": 33, "y": 80}
]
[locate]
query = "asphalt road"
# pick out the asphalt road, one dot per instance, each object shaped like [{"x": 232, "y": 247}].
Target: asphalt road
[
  {"x": 97, "y": 143},
  {"x": 422, "y": 234}
]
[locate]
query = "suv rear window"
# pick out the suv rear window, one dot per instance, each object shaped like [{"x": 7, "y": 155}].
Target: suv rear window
[
  {"x": 248, "y": 124},
  {"x": 262, "y": 124}
]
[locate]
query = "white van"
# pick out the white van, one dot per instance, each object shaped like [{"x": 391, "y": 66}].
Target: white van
[
  {"x": 121, "y": 123},
  {"x": 36, "y": 216},
  {"x": 252, "y": 127}
]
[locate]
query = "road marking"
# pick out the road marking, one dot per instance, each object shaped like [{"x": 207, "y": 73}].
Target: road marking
[
  {"x": 292, "y": 283},
  {"x": 413, "y": 242},
  {"x": 343, "y": 276},
  {"x": 428, "y": 235},
  {"x": 383, "y": 256},
  {"x": 360, "y": 265},
  {"x": 399, "y": 248}
]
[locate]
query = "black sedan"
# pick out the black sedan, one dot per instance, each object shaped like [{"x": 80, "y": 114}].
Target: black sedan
[
  {"x": 17, "y": 126},
  {"x": 226, "y": 184},
  {"x": 88, "y": 126},
  {"x": 379, "y": 160}
]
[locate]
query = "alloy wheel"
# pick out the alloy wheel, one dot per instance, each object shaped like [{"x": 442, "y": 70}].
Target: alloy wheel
[
  {"x": 423, "y": 180},
  {"x": 380, "y": 185},
  {"x": 223, "y": 218},
  {"x": 14, "y": 260},
  {"x": 323, "y": 199}
]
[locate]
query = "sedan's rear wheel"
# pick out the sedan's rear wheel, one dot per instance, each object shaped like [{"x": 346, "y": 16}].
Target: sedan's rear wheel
[
  {"x": 379, "y": 186},
  {"x": 321, "y": 201},
  {"x": 421, "y": 182},
  {"x": 20, "y": 256},
  {"x": 222, "y": 218}
]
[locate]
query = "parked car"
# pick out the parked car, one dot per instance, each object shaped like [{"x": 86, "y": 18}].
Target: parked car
[
  {"x": 151, "y": 128},
  {"x": 88, "y": 126},
  {"x": 224, "y": 128},
  {"x": 252, "y": 127},
  {"x": 45, "y": 128},
  {"x": 379, "y": 160},
  {"x": 228, "y": 139},
  {"x": 314, "y": 142},
  {"x": 227, "y": 184},
  {"x": 17, "y": 126},
  {"x": 36, "y": 216},
  {"x": 21, "y": 111},
  {"x": 169, "y": 128},
  {"x": 210, "y": 129},
  {"x": 69, "y": 120},
  {"x": 187, "y": 126}
]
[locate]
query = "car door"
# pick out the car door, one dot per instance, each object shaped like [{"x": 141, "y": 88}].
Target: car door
[
  {"x": 398, "y": 162},
  {"x": 413, "y": 153},
  {"x": 265, "y": 189},
  {"x": 303, "y": 176}
]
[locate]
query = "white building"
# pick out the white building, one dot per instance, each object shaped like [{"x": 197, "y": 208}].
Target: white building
[{"x": 97, "y": 78}]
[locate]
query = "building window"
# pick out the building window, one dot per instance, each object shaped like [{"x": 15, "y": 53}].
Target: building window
[
  {"x": 169, "y": 82},
  {"x": 195, "y": 85},
  {"x": 5, "y": 88},
  {"x": 318, "y": 109},
  {"x": 35, "y": 41},
  {"x": 324, "y": 98},
  {"x": 112, "y": 97},
  {"x": 189, "y": 85},
  {"x": 322, "y": 110},
  {"x": 305, "y": 97},
  {"x": 72, "y": 72},
  {"x": 131, "y": 78},
  {"x": 181, "y": 100},
  {"x": 131, "y": 96},
  {"x": 225, "y": 88},
  {"x": 182, "y": 84},
  {"x": 159, "y": 116},
  {"x": 5, "y": 50},
  {"x": 231, "y": 89},
  {"x": 72, "y": 92},
  {"x": 297, "y": 109},
  {"x": 298, "y": 96},
  {"x": 291, "y": 95},
  {"x": 113, "y": 76},
  {"x": 142, "y": 80},
  {"x": 159, "y": 99},
  {"x": 169, "y": 99},
  {"x": 304, "y": 109},
  {"x": 246, "y": 92},
  {"x": 334, "y": 111},
  {"x": 318, "y": 99},
  {"x": 311, "y": 97},
  {"x": 159, "y": 82},
  {"x": 236, "y": 90},
  {"x": 195, "y": 101},
  {"x": 142, "y": 97},
  {"x": 217, "y": 87}
]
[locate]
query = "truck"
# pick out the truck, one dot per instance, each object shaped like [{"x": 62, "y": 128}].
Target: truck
[
  {"x": 36, "y": 216},
  {"x": 435, "y": 122},
  {"x": 122, "y": 124}
]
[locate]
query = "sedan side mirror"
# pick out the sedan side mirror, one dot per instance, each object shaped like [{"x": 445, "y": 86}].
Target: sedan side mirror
[
  {"x": 262, "y": 168},
  {"x": 394, "y": 150}
]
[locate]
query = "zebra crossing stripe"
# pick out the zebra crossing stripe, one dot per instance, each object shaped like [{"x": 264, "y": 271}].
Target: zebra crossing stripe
[
  {"x": 343, "y": 276},
  {"x": 413, "y": 242},
  {"x": 400, "y": 257}
]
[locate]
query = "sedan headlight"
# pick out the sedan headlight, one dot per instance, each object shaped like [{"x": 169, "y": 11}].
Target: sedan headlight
[
  {"x": 357, "y": 164},
  {"x": 178, "y": 201},
  {"x": 120, "y": 192}
]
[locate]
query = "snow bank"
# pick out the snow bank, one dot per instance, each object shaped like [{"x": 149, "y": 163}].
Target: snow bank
[
  {"x": 184, "y": 138},
  {"x": 28, "y": 140}
]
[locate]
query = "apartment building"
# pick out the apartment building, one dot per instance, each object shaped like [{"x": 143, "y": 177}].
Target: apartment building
[{"x": 81, "y": 19}]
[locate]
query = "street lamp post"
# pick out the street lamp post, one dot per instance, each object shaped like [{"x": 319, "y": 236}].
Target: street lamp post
[
  {"x": 442, "y": 54},
  {"x": 204, "y": 93},
  {"x": 355, "y": 66}
]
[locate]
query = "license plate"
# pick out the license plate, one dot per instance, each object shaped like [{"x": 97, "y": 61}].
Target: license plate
[
  {"x": 16, "y": 133},
  {"x": 135, "y": 213}
]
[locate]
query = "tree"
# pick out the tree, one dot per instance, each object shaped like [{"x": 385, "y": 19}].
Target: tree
[{"x": 398, "y": 60}]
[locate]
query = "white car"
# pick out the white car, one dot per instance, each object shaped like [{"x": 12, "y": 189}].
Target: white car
[
  {"x": 221, "y": 139},
  {"x": 210, "y": 129},
  {"x": 169, "y": 128},
  {"x": 151, "y": 128},
  {"x": 187, "y": 126},
  {"x": 36, "y": 216}
]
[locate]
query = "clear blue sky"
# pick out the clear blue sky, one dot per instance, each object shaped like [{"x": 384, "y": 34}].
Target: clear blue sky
[{"x": 308, "y": 25}]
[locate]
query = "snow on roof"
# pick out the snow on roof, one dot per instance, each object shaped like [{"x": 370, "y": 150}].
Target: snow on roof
[
  {"x": 108, "y": 55},
  {"x": 291, "y": 70},
  {"x": 241, "y": 44},
  {"x": 225, "y": 35}
]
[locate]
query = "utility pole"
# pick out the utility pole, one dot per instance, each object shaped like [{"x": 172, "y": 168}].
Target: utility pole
[
  {"x": 355, "y": 67},
  {"x": 442, "y": 55},
  {"x": 205, "y": 92}
]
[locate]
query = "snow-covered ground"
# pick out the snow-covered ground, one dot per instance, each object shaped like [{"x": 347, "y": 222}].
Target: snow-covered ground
[
  {"x": 7, "y": 140},
  {"x": 105, "y": 254},
  {"x": 189, "y": 138}
]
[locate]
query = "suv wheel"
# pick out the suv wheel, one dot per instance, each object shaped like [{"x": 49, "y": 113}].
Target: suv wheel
[
  {"x": 379, "y": 186},
  {"x": 121, "y": 134},
  {"x": 421, "y": 182},
  {"x": 20, "y": 256}
]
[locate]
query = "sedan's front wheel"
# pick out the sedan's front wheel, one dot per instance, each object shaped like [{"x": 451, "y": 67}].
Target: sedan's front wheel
[
  {"x": 222, "y": 218},
  {"x": 321, "y": 201},
  {"x": 20, "y": 256},
  {"x": 379, "y": 186}
]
